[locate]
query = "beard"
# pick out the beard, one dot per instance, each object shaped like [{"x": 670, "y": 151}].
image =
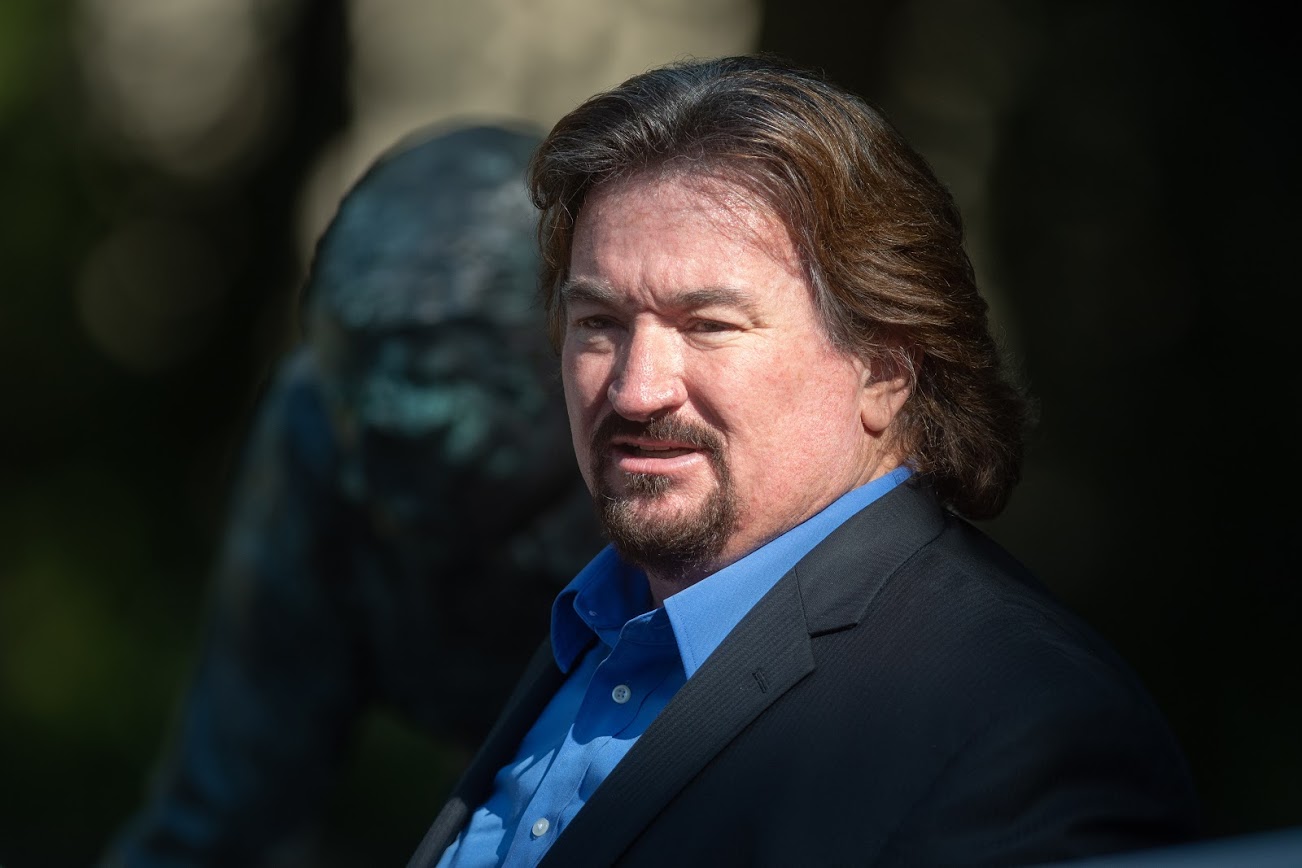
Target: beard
[{"x": 670, "y": 545}]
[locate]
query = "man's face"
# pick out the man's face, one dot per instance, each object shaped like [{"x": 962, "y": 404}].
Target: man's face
[{"x": 709, "y": 411}]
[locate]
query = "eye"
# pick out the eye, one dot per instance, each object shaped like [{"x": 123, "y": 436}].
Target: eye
[
  {"x": 711, "y": 326},
  {"x": 596, "y": 322}
]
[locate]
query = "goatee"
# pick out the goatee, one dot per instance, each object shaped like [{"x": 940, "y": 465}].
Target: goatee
[{"x": 673, "y": 545}]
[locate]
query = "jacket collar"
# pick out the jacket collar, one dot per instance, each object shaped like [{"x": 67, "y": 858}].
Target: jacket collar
[{"x": 768, "y": 652}]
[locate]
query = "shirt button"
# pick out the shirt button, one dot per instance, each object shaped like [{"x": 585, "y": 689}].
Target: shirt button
[
  {"x": 540, "y": 827},
  {"x": 621, "y": 693}
]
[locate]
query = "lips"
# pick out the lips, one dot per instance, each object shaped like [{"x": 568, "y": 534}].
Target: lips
[
  {"x": 660, "y": 445},
  {"x": 652, "y": 449}
]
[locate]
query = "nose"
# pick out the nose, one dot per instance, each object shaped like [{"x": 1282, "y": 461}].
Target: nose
[{"x": 648, "y": 382}]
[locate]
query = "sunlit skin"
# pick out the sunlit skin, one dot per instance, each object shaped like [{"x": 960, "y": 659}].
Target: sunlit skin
[{"x": 684, "y": 300}]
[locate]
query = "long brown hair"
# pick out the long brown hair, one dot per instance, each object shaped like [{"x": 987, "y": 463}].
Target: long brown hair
[{"x": 880, "y": 238}]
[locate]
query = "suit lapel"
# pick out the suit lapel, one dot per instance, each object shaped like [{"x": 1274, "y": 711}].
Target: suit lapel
[
  {"x": 765, "y": 655},
  {"x": 843, "y": 574},
  {"x": 768, "y": 652},
  {"x": 541, "y": 679}
]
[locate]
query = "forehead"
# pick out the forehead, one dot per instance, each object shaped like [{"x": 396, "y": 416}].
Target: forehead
[{"x": 697, "y": 233}]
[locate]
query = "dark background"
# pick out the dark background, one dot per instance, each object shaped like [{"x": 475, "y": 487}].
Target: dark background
[{"x": 1129, "y": 179}]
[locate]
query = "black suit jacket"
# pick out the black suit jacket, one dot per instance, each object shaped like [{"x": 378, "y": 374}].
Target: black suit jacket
[{"x": 906, "y": 695}]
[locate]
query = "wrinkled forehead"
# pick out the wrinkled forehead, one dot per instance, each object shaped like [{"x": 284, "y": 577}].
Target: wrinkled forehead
[
  {"x": 728, "y": 185},
  {"x": 695, "y": 224},
  {"x": 709, "y": 201}
]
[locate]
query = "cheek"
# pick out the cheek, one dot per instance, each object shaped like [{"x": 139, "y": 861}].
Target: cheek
[
  {"x": 581, "y": 381},
  {"x": 583, "y": 378},
  {"x": 783, "y": 417}
]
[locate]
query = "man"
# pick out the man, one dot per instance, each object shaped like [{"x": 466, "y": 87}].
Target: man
[
  {"x": 397, "y": 481},
  {"x": 784, "y": 397}
]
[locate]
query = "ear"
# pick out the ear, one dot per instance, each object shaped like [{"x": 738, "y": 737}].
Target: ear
[{"x": 881, "y": 398}]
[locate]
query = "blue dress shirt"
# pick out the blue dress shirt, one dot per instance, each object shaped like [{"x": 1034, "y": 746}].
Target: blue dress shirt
[{"x": 624, "y": 660}]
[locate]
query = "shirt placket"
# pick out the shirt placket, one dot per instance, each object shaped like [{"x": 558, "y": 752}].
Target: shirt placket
[{"x": 620, "y": 684}]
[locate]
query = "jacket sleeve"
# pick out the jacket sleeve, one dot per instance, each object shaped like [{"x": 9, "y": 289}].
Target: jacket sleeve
[
  {"x": 277, "y": 687},
  {"x": 1073, "y": 771}
]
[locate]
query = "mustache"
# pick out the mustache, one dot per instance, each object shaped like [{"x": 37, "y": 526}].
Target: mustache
[{"x": 665, "y": 428}]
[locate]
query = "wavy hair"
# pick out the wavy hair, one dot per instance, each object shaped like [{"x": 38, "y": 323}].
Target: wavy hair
[{"x": 879, "y": 237}]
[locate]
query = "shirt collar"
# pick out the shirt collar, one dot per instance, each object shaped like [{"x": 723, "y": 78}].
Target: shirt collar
[
  {"x": 703, "y": 614},
  {"x": 608, "y": 592},
  {"x": 604, "y": 596}
]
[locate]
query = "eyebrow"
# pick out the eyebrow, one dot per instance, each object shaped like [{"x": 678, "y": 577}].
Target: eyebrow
[
  {"x": 578, "y": 291},
  {"x": 581, "y": 291}
]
